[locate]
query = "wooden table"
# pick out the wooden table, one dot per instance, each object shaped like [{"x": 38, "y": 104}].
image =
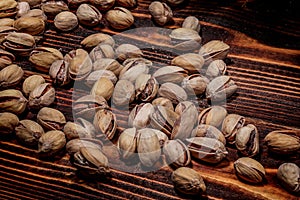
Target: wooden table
[{"x": 264, "y": 60}]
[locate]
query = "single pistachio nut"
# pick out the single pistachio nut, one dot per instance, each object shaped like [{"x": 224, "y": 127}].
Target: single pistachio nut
[
  {"x": 119, "y": 18},
  {"x": 188, "y": 181},
  {"x": 52, "y": 8},
  {"x": 29, "y": 132},
  {"x": 51, "y": 119},
  {"x": 127, "y": 144},
  {"x": 163, "y": 102},
  {"x": 19, "y": 43},
  {"x": 185, "y": 39},
  {"x": 209, "y": 150},
  {"x": 94, "y": 76},
  {"x": 171, "y": 74},
  {"x": 249, "y": 170},
  {"x": 247, "y": 140},
  {"x": 123, "y": 94},
  {"x": 177, "y": 153},
  {"x": 103, "y": 87},
  {"x": 42, "y": 96},
  {"x": 214, "y": 49},
  {"x": 173, "y": 92},
  {"x": 105, "y": 123},
  {"x": 13, "y": 101},
  {"x": 23, "y": 8},
  {"x": 146, "y": 87},
  {"x": 43, "y": 57},
  {"x": 6, "y": 58},
  {"x": 204, "y": 130},
  {"x": 59, "y": 72},
  {"x": 108, "y": 64},
  {"x": 127, "y": 3},
  {"x": 36, "y": 13},
  {"x": 96, "y": 39},
  {"x": 133, "y": 68},
  {"x": 125, "y": 51},
  {"x": 191, "y": 22},
  {"x": 88, "y": 15},
  {"x": 102, "y": 51},
  {"x": 6, "y": 22},
  {"x": 216, "y": 68},
  {"x": 191, "y": 62},
  {"x": 160, "y": 12},
  {"x": 51, "y": 143},
  {"x": 139, "y": 116},
  {"x": 195, "y": 84},
  {"x": 6, "y": 30},
  {"x": 283, "y": 141},
  {"x": 30, "y": 25},
  {"x": 11, "y": 76},
  {"x": 213, "y": 116},
  {"x": 8, "y": 8},
  {"x": 65, "y": 21},
  {"x": 8, "y": 122},
  {"x": 73, "y": 131},
  {"x": 230, "y": 126},
  {"x": 74, "y": 145},
  {"x": 31, "y": 82},
  {"x": 289, "y": 176},
  {"x": 103, "y": 5}
]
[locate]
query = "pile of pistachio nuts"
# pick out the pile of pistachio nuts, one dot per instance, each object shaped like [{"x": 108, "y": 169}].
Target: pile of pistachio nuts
[{"x": 164, "y": 123}]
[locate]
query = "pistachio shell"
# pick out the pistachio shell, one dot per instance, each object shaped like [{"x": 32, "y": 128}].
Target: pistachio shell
[
  {"x": 31, "y": 82},
  {"x": 108, "y": 64},
  {"x": 247, "y": 140},
  {"x": 163, "y": 102},
  {"x": 213, "y": 116},
  {"x": 88, "y": 15},
  {"x": 106, "y": 123},
  {"x": 160, "y": 12},
  {"x": 195, "y": 84},
  {"x": 30, "y": 25},
  {"x": 73, "y": 131},
  {"x": 191, "y": 62},
  {"x": 191, "y": 22},
  {"x": 11, "y": 76},
  {"x": 146, "y": 87},
  {"x": 6, "y": 58},
  {"x": 119, "y": 18},
  {"x": 102, "y": 51},
  {"x": 51, "y": 119},
  {"x": 204, "y": 130},
  {"x": 28, "y": 132},
  {"x": 51, "y": 142},
  {"x": 171, "y": 74},
  {"x": 214, "y": 49},
  {"x": 12, "y": 101},
  {"x": 74, "y": 145},
  {"x": 289, "y": 176},
  {"x": 139, "y": 116},
  {"x": 230, "y": 126},
  {"x": 8, "y": 8},
  {"x": 173, "y": 92},
  {"x": 8, "y": 122},
  {"x": 65, "y": 21},
  {"x": 103, "y": 87},
  {"x": 124, "y": 93},
  {"x": 177, "y": 153},
  {"x": 127, "y": 143},
  {"x": 125, "y": 51},
  {"x": 42, "y": 96},
  {"x": 94, "y": 40}
]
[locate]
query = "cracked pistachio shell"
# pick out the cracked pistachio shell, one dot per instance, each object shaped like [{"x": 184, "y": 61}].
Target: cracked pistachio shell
[
  {"x": 230, "y": 126},
  {"x": 162, "y": 137},
  {"x": 106, "y": 123},
  {"x": 6, "y": 58},
  {"x": 88, "y": 105},
  {"x": 185, "y": 39},
  {"x": 12, "y": 100},
  {"x": 139, "y": 116},
  {"x": 249, "y": 170},
  {"x": 204, "y": 130},
  {"x": 185, "y": 123},
  {"x": 214, "y": 49},
  {"x": 52, "y": 8},
  {"x": 283, "y": 141},
  {"x": 191, "y": 62},
  {"x": 124, "y": 93},
  {"x": 194, "y": 84},
  {"x": 74, "y": 145},
  {"x": 65, "y": 21},
  {"x": 213, "y": 116},
  {"x": 173, "y": 92},
  {"x": 127, "y": 3},
  {"x": 73, "y": 131},
  {"x": 102, "y": 51},
  {"x": 51, "y": 119},
  {"x": 247, "y": 140},
  {"x": 209, "y": 150},
  {"x": 127, "y": 144},
  {"x": 188, "y": 181},
  {"x": 133, "y": 68},
  {"x": 30, "y": 25},
  {"x": 4, "y": 31},
  {"x": 289, "y": 176},
  {"x": 177, "y": 153},
  {"x": 42, "y": 96},
  {"x": 94, "y": 40},
  {"x": 43, "y": 57},
  {"x": 95, "y": 75},
  {"x": 23, "y": 8},
  {"x": 103, "y": 5},
  {"x": 216, "y": 68},
  {"x": 160, "y": 12},
  {"x": 88, "y": 15},
  {"x": 8, "y": 8},
  {"x": 220, "y": 88},
  {"x": 8, "y": 122},
  {"x": 19, "y": 43},
  {"x": 146, "y": 87},
  {"x": 31, "y": 82},
  {"x": 51, "y": 143},
  {"x": 6, "y": 22},
  {"x": 171, "y": 74},
  {"x": 148, "y": 147},
  {"x": 163, "y": 102},
  {"x": 191, "y": 22},
  {"x": 11, "y": 76},
  {"x": 59, "y": 72},
  {"x": 108, "y": 64},
  {"x": 36, "y": 13},
  {"x": 125, "y": 51},
  {"x": 29, "y": 132},
  {"x": 119, "y": 18},
  {"x": 103, "y": 87}
]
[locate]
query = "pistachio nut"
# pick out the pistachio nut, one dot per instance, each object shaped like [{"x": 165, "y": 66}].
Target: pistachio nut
[
  {"x": 32, "y": 3},
  {"x": 125, "y": 51},
  {"x": 74, "y": 145},
  {"x": 6, "y": 58},
  {"x": 127, "y": 144},
  {"x": 11, "y": 76},
  {"x": 195, "y": 84},
  {"x": 8, "y": 8},
  {"x": 92, "y": 78},
  {"x": 163, "y": 102},
  {"x": 127, "y": 3},
  {"x": 160, "y": 12},
  {"x": 191, "y": 22},
  {"x": 96, "y": 39},
  {"x": 22, "y": 8},
  {"x": 220, "y": 88},
  {"x": 51, "y": 143},
  {"x": 216, "y": 68},
  {"x": 30, "y": 25},
  {"x": 43, "y": 57},
  {"x": 65, "y": 21},
  {"x": 139, "y": 116},
  {"x": 52, "y": 8},
  {"x": 177, "y": 153},
  {"x": 106, "y": 123},
  {"x": 213, "y": 116},
  {"x": 289, "y": 176},
  {"x": 51, "y": 119},
  {"x": 188, "y": 181},
  {"x": 29, "y": 132},
  {"x": 230, "y": 126},
  {"x": 12, "y": 100},
  {"x": 74, "y": 4},
  {"x": 88, "y": 15},
  {"x": 36, "y": 13},
  {"x": 102, "y": 51},
  {"x": 124, "y": 93},
  {"x": 214, "y": 49},
  {"x": 103, "y": 87},
  {"x": 182, "y": 106},
  {"x": 185, "y": 39},
  {"x": 171, "y": 74},
  {"x": 146, "y": 87},
  {"x": 87, "y": 124},
  {"x": 133, "y": 67},
  {"x": 31, "y": 82},
  {"x": 247, "y": 140},
  {"x": 73, "y": 131},
  {"x": 6, "y": 30},
  {"x": 80, "y": 64},
  {"x": 119, "y": 18},
  {"x": 191, "y": 62},
  {"x": 204, "y": 130},
  {"x": 108, "y": 64},
  {"x": 249, "y": 170},
  {"x": 209, "y": 150},
  {"x": 59, "y": 72},
  {"x": 86, "y": 106},
  {"x": 19, "y": 43},
  {"x": 162, "y": 137},
  {"x": 103, "y": 5},
  {"x": 42, "y": 96},
  {"x": 173, "y": 92},
  {"x": 6, "y": 22},
  {"x": 8, "y": 122},
  {"x": 148, "y": 147},
  {"x": 283, "y": 141}
]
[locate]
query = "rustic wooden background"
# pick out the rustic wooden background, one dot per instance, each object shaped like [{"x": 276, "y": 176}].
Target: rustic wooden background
[{"x": 264, "y": 60}]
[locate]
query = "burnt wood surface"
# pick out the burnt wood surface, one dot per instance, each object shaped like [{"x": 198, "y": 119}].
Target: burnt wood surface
[{"x": 264, "y": 60}]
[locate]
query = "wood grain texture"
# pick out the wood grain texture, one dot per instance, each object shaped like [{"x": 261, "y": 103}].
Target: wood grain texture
[{"x": 264, "y": 60}]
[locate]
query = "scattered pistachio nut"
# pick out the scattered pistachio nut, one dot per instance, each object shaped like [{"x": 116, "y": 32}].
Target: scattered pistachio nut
[
  {"x": 194, "y": 84},
  {"x": 8, "y": 8},
  {"x": 191, "y": 22},
  {"x": 59, "y": 72},
  {"x": 65, "y": 21},
  {"x": 191, "y": 62},
  {"x": 216, "y": 68},
  {"x": 106, "y": 123},
  {"x": 73, "y": 131},
  {"x": 214, "y": 49},
  {"x": 95, "y": 39},
  {"x": 36, "y": 13},
  {"x": 163, "y": 102},
  {"x": 247, "y": 140},
  {"x": 133, "y": 68},
  {"x": 6, "y": 30},
  {"x": 103, "y": 87},
  {"x": 88, "y": 15},
  {"x": 289, "y": 176},
  {"x": 173, "y": 74},
  {"x": 213, "y": 116},
  {"x": 42, "y": 96},
  {"x": 52, "y": 8},
  {"x": 29, "y": 132},
  {"x": 6, "y": 22},
  {"x": 23, "y": 8},
  {"x": 177, "y": 153},
  {"x": 185, "y": 39},
  {"x": 51, "y": 143},
  {"x": 108, "y": 64},
  {"x": 11, "y": 76},
  {"x": 139, "y": 116},
  {"x": 102, "y": 51},
  {"x": 146, "y": 87},
  {"x": 102, "y": 5},
  {"x": 95, "y": 75},
  {"x": 160, "y": 12},
  {"x": 8, "y": 122},
  {"x": 125, "y": 51},
  {"x": 230, "y": 126},
  {"x": 127, "y": 144},
  {"x": 204, "y": 130},
  {"x": 6, "y": 58},
  {"x": 19, "y": 43},
  {"x": 123, "y": 94},
  {"x": 173, "y": 92},
  {"x": 13, "y": 101},
  {"x": 30, "y": 25},
  {"x": 119, "y": 18},
  {"x": 31, "y": 82},
  {"x": 51, "y": 119},
  {"x": 74, "y": 145}
]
